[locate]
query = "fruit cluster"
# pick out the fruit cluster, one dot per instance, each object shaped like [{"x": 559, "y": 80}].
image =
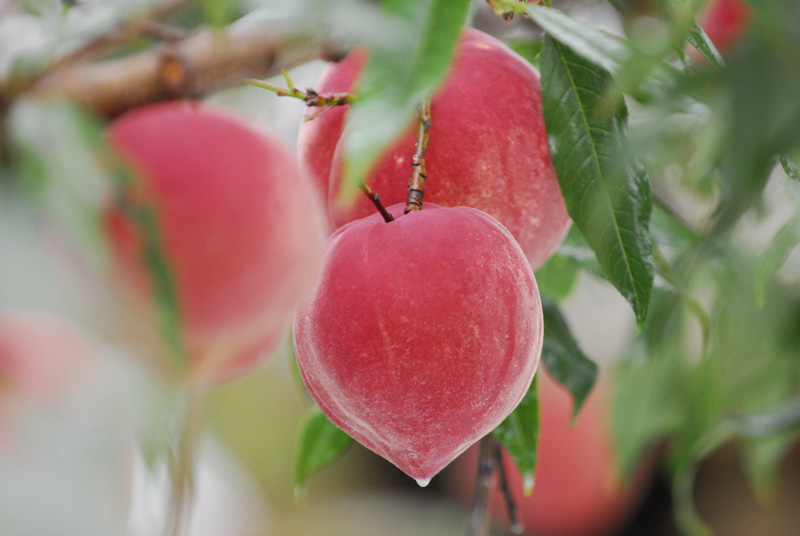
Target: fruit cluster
[{"x": 418, "y": 336}]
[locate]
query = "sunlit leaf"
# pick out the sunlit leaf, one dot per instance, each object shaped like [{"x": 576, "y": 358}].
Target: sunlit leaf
[
  {"x": 698, "y": 38},
  {"x": 596, "y": 46},
  {"x": 319, "y": 442},
  {"x": 774, "y": 256}
]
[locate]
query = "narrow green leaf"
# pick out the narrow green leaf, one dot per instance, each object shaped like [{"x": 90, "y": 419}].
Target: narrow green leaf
[
  {"x": 774, "y": 256},
  {"x": 166, "y": 299},
  {"x": 519, "y": 435},
  {"x": 564, "y": 360},
  {"x": 319, "y": 442},
  {"x": 597, "y": 46},
  {"x": 607, "y": 197},
  {"x": 790, "y": 166},
  {"x": 394, "y": 81},
  {"x": 698, "y": 38}
]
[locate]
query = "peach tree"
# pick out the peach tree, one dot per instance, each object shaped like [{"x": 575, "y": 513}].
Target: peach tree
[{"x": 472, "y": 166}]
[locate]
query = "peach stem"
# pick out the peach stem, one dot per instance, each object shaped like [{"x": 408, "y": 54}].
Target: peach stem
[
  {"x": 416, "y": 185},
  {"x": 479, "y": 518},
  {"x": 376, "y": 200}
]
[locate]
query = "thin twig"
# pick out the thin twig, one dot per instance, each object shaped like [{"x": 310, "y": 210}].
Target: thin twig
[
  {"x": 309, "y": 96},
  {"x": 416, "y": 185},
  {"x": 514, "y": 522},
  {"x": 205, "y": 61},
  {"x": 478, "y": 517},
  {"x": 128, "y": 31},
  {"x": 376, "y": 200},
  {"x": 182, "y": 470}
]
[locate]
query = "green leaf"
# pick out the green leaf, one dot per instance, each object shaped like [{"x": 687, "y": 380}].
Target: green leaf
[
  {"x": 774, "y": 256},
  {"x": 319, "y": 442},
  {"x": 597, "y": 46},
  {"x": 607, "y": 197},
  {"x": 395, "y": 80},
  {"x": 762, "y": 115},
  {"x": 790, "y": 166},
  {"x": 698, "y": 38},
  {"x": 519, "y": 435},
  {"x": 557, "y": 277},
  {"x": 647, "y": 406},
  {"x": 564, "y": 360},
  {"x": 528, "y": 49},
  {"x": 218, "y": 12}
]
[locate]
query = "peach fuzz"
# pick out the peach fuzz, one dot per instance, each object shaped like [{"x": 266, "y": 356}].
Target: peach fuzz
[
  {"x": 488, "y": 146},
  {"x": 422, "y": 334}
]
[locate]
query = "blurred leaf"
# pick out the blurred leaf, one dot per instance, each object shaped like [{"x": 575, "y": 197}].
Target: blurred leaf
[
  {"x": 519, "y": 435},
  {"x": 218, "y": 12},
  {"x": 564, "y": 360},
  {"x": 596, "y": 46},
  {"x": 529, "y": 49},
  {"x": 557, "y": 277},
  {"x": 790, "y": 166},
  {"x": 763, "y": 112},
  {"x": 398, "y": 74},
  {"x": 668, "y": 230},
  {"x": 319, "y": 442},
  {"x": 647, "y": 407},
  {"x": 774, "y": 256},
  {"x": 607, "y": 199},
  {"x": 698, "y": 38},
  {"x": 62, "y": 150}
]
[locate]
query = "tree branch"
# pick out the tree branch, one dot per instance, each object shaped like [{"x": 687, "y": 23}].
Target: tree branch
[
  {"x": 205, "y": 61},
  {"x": 416, "y": 185}
]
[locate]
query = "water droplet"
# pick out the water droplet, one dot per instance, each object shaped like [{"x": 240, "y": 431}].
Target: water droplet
[
  {"x": 527, "y": 484},
  {"x": 423, "y": 482}
]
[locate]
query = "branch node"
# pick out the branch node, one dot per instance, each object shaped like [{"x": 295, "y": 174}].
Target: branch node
[
  {"x": 416, "y": 184},
  {"x": 376, "y": 200}
]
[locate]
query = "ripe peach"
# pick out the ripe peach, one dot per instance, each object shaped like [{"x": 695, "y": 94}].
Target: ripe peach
[
  {"x": 488, "y": 146},
  {"x": 422, "y": 334},
  {"x": 577, "y": 488},
  {"x": 239, "y": 229},
  {"x": 724, "y": 21}
]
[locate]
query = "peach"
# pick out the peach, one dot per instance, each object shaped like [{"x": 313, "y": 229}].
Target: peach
[
  {"x": 41, "y": 356},
  {"x": 240, "y": 231},
  {"x": 724, "y": 21},
  {"x": 488, "y": 147},
  {"x": 422, "y": 334},
  {"x": 578, "y": 490}
]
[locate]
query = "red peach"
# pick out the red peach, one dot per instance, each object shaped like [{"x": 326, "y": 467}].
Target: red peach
[
  {"x": 422, "y": 334},
  {"x": 488, "y": 146},
  {"x": 724, "y": 21},
  {"x": 239, "y": 229}
]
